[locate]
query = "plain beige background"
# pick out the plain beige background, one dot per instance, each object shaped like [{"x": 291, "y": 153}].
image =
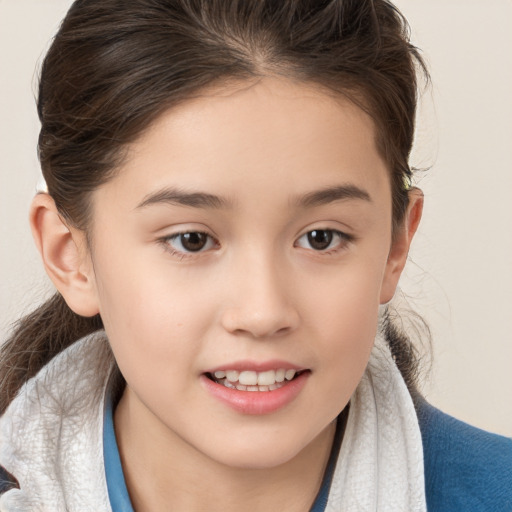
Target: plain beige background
[{"x": 460, "y": 276}]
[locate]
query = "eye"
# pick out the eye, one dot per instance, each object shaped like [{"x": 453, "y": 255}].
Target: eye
[
  {"x": 192, "y": 241},
  {"x": 323, "y": 239}
]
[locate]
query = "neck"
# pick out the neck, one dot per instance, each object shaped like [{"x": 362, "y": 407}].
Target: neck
[{"x": 164, "y": 472}]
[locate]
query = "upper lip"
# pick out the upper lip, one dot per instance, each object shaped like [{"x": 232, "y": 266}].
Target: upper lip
[{"x": 256, "y": 366}]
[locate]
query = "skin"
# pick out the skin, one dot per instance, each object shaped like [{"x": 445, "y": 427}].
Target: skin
[{"x": 257, "y": 291}]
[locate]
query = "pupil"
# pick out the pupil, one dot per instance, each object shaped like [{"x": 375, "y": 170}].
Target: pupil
[
  {"x": 320, "y": 239},
  {"x": 193, "y": 241}
]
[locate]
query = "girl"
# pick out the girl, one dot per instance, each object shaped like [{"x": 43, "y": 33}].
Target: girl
[{"x": 228, "y": 213}]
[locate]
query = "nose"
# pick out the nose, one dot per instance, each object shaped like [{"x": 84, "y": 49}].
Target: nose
[{"x": 261, "y": 301}]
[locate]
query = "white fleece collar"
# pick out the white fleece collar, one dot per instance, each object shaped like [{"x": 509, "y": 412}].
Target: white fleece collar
[
  {"x": 51, "y": 435},
  {"x": 380, "y": 464}
]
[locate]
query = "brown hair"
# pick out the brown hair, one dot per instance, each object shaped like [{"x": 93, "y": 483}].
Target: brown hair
[{"x": 116, "y": 65}]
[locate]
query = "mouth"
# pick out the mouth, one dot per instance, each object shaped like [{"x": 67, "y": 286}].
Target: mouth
[
  {"x": 249, "y": 380},
  {"x": 277, "y": 385}
]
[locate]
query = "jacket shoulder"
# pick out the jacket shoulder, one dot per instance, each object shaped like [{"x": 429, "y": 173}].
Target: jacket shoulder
[{"x": 466, "y": 468}]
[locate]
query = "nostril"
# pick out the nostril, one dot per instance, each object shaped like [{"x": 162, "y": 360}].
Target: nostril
[{"x": 283, "y": 330}]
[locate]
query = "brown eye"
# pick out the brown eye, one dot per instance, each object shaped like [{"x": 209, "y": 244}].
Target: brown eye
[
  {"x": 320, "y": 239},
  {"x": 193, "y": 241},
  {"x": 323, "y": 239}
]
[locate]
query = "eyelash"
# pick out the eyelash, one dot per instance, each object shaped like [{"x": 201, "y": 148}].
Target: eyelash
[
  {"x": 342, "y": 240},
  {"x": 211, "y": 242},
  {"x": 182, "y": 254}
]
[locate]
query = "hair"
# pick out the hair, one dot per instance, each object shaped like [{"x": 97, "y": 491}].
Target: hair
[{"x": 116, "y": 65}]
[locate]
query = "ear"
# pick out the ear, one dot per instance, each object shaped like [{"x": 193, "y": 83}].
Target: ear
[
  {"x": 65, "y": 256},
  {"x": 397, "y": 257}
]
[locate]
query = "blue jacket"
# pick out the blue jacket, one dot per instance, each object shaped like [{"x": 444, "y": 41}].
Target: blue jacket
[{"x": 466, "y": 469}]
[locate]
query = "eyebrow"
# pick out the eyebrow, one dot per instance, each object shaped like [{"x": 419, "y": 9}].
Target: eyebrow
[
  {"x": 331, "y": 194},
  {"x": 320, "y": 197},
  {"x": 177, "y": 196}
]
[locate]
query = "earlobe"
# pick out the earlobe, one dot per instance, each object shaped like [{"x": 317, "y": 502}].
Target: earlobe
[
  {"x": 64, "y": 255},
  {"x": 397, "y": 257}
]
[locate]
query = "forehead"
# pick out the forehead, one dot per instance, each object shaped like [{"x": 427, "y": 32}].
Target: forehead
[{"x": 268, "y": 136}]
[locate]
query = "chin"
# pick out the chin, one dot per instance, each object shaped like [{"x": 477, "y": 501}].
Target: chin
[
  {"x": 257, "y": 461},
  {"x": 260, "y": 452}
]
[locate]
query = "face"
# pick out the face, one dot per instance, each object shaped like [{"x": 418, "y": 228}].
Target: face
[{"x": 244, "y": 241}]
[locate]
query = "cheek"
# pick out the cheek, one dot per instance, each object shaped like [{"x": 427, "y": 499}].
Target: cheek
[
  {"x": 343, "y": 323},
  {"x": 346, "y": 299},
  {"x": 348, "y": 332},
  {"x": 149, "y": 315}
]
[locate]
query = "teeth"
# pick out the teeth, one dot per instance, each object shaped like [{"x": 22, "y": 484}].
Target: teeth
[
  {"x": 241, "y": 387},
  {"x": 248, "y": 378},
  {"x": 232, "y": 375},
  {"x": 289, "y": 374},
  {"x": 266, "y": 378}
]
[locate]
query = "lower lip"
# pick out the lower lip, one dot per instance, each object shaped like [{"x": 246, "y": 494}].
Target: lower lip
[{"x": 256, "y": 402}]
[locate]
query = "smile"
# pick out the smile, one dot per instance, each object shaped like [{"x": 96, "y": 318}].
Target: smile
[
  {"x": 272, "y": 397},
  {"x": 248, "y": 380}
]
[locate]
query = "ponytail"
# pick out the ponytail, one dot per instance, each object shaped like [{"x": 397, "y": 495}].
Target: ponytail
[
  {"x": 37, "y": 338},
  {"x": 411, "y": 358}
]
